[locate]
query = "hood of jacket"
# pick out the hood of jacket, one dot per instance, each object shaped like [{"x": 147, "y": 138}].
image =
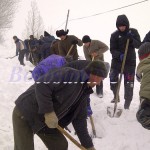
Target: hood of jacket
[{"x": 122, "y": 20}]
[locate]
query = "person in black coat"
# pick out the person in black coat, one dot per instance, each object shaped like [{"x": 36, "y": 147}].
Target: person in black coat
[
  {"x": 118, "y": 42},
  {"x": 146, "y": 38},
  {"x": 59, "y": 97}
]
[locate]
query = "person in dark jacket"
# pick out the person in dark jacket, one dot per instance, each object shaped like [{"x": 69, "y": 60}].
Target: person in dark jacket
[
  {"x": 118, "y": 42},
  {"x": 59, "y": 98},
  {"x": 68, "y": 44},
  {"x": 20, "y": 48},
  {"x": 146, "y": 38}
]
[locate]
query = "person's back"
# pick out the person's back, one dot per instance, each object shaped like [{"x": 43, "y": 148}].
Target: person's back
[
  {"x": 143, "y": 75},
  {"x": 146, "y": 38},
  {"x": 51, "y": 62}
]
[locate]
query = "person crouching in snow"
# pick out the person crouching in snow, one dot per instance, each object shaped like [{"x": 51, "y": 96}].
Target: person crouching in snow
[
  {"x": 53, "y": 101},
  {"x": 143, "y": 75}
]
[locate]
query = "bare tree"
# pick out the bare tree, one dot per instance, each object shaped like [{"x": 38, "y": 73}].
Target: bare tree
[
  {"x": 7, "y": 11},
  {"x": 34, "y": 23}
]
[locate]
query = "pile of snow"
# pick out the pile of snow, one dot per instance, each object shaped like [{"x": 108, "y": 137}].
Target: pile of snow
[{"x": 123, "y": 133}]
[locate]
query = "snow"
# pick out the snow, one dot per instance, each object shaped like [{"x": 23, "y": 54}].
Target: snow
[{"x": 123, "y": 133}]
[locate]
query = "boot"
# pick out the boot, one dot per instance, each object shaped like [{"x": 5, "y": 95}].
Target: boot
[
  {"x": 127, "y": 104},
  {"x": 113, "y": 100}
]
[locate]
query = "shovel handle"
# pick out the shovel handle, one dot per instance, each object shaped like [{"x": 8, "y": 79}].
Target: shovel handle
[
  {"x": 70, "y": 138},
  {"x": 70, "y": 50},
  {"x": 93, "y": 126}
]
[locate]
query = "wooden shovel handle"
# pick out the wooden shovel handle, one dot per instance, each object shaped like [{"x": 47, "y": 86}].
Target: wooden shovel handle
[{"x": 70, "y": 138}]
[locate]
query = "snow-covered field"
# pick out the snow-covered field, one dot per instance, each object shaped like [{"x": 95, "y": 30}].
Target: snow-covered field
[{"x": 123, "y": 133}]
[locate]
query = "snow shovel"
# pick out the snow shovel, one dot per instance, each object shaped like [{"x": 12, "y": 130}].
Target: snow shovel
[
  {"x": 70, "y": 50},
  {"x": 11, "y": 57},
  {"x": 70, "y": 137},
  {"x": 114, "y": 112},
  {"x": 93, "y": 127}
]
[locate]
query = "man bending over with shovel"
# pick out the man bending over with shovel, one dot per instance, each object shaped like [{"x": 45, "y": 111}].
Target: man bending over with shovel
[{"x": 58, "y": 98}]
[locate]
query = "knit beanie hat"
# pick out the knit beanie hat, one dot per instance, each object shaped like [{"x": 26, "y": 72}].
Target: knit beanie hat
[
  {"x": 60, "y": 33},
  {"x": 86, "y": 39},
  {"x": 144, "y": 50},
  {"x": 97, "y": 68}
]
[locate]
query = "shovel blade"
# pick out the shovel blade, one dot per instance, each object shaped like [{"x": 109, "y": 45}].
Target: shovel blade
[{"x": 110, "y": 112}]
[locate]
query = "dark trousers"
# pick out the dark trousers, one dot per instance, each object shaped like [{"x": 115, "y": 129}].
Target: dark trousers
[
  {"x": 21, "y": 57},
  {"x": 99, "y": 88},
  {"x": 24, "y": 136},
  {"x": 128, "y": 84}
]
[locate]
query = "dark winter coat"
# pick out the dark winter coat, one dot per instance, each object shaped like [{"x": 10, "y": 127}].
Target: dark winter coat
[
  {"x": 45, "y": 50},
  {"x": 64, "y": 46},
  {"x": 69, "y": 101},
  {"x": 146, "y": 38},
  {"x": 118, "y": 43},
  {"x": 78, "y": 64}
]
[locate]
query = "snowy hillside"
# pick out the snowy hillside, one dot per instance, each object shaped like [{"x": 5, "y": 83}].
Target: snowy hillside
[{"x": 123, "y": 133}]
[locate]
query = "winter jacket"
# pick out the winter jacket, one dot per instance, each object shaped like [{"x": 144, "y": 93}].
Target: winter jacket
[
  {"x": 19, "y": 46},
  {"x": 146, "y": 38},
  {"x": 118, "y": 42},
  {"x": 78, "y": 64},
  {"x": 51, "y": 62},
  {"x": 69, "y": 101},
  {"x": 65, "y": 45},
  {"x": 95, "y": 46},
  {"x": 54, "y": 47},
  {"x": 143, "y": 69},
  {"x": 49, "y": 39}
]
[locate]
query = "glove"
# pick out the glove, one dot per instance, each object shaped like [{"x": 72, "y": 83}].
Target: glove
[
  {"x": 130, "y": 35},
  {"x": 89, "y": 111},
  {"x": 143, "y": 114},
  {"x": 91, "y": 148},
  {"x": 51, "y": 120},
  {"x": 121, "y": 57},
  {"x": 74, "y": 42}
]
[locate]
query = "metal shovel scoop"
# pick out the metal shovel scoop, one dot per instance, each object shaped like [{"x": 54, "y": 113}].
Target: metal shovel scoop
[{"x": 117, "y": 114}]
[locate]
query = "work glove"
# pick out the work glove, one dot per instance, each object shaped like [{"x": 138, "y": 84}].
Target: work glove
[
  {"x": 121, "y": 57},
  {"x": 143, "y": 114},
  {"x": 51, "y": 120},
  {"x": 74, "y": 42},
  {"x": 130, "y": 35},
  {"x": 89, "y": 111},
  {"x": 91, "y": 148}
]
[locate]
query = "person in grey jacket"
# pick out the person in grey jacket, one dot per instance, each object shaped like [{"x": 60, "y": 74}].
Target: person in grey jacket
[
  {"x": 20, "y": 48},
  {"x": 94, "y": 50},
  {"x": 58, "y": 98}
]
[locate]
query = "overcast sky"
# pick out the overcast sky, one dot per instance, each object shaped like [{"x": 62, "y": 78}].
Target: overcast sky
[{"x": 54, "y": 13}]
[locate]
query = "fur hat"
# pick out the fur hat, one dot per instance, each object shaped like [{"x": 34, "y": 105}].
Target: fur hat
[
  {"x": 97, "y": 68},
  {"x": 144, "y": 50},
  {"x": 60, "y": 33},
  {"x": 46, "y": 33},
  {"x": 86, "y": 39}
]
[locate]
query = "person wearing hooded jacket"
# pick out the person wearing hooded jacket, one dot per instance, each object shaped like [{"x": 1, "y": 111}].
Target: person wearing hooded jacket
[
  {"x": 66, "y": 41},
  {"x": 52, "y": 101},
  {"x": 118, "y": 42}
]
